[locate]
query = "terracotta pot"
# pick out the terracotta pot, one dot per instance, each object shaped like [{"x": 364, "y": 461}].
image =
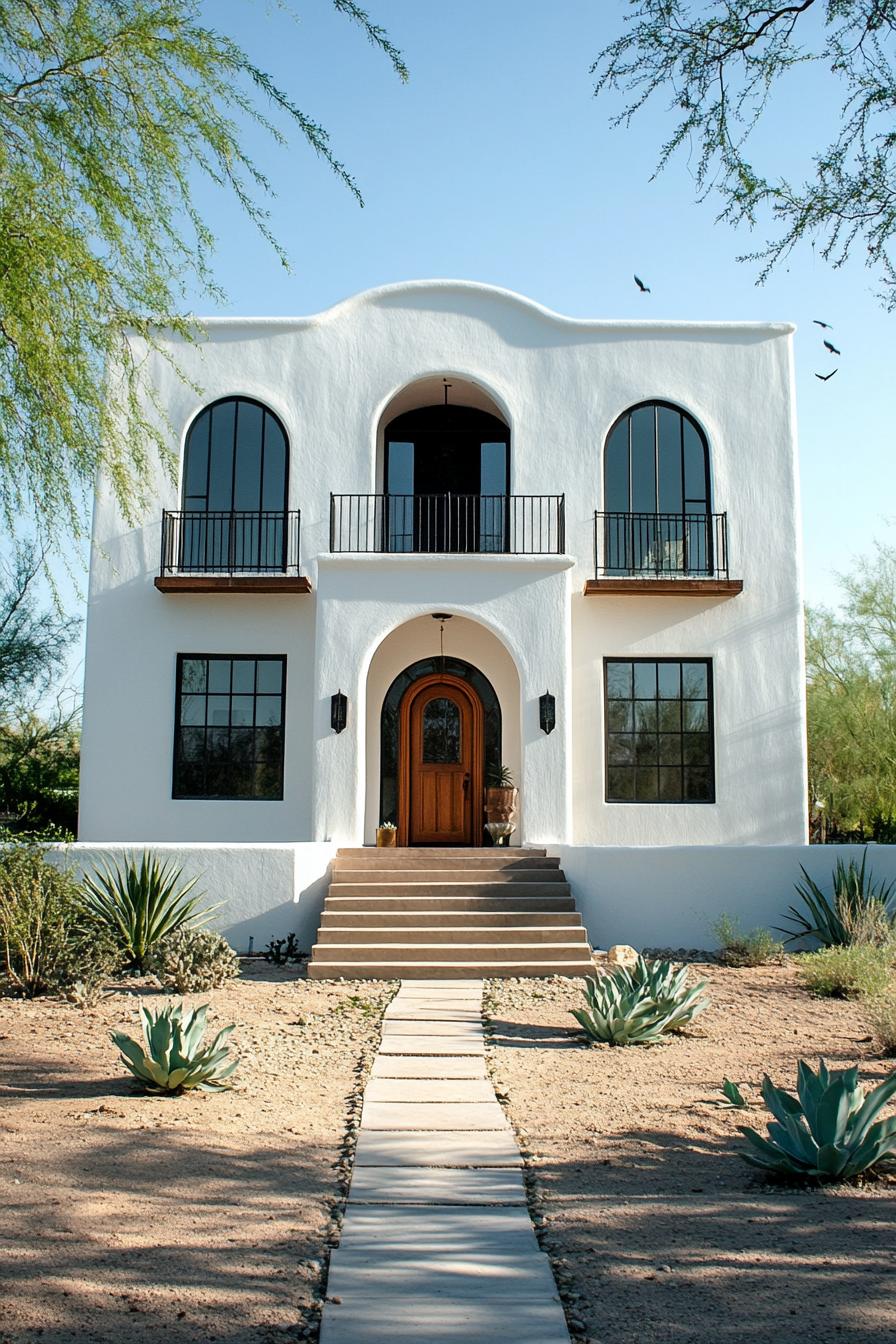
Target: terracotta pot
[
  {"x": 500, "y": 804},
  {"x": 386, "y": 837}
]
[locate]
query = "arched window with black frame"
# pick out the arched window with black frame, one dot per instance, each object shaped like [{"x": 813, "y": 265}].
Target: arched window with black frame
[
  {"x": 236, "y": 467},
  {"x": 657, "y": 502}
]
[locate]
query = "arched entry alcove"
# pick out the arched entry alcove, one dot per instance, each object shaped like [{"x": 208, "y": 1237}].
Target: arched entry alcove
[
  {"x": 444, "y": 447},
  {"x": 437, "y": 723}
]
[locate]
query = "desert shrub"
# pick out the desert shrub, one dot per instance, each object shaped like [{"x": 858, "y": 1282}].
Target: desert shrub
[
  {"x": 47, "y": 941},
  {"x": 846, "y": 972},
  {"x": 171, "y": 1057},
  {"x": 882, "y": 1012},
  {"x": 737, "y": 948},
  {"x": 191, "y": 960},
  {"x": 141, "y": 904},
  {"x": 639, "y": 1006},
  {"x": 859, "y": 909},
  {"x": 828, "y": 1132}
]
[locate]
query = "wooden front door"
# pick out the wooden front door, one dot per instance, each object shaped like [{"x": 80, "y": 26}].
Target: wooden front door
[{"x": 441, "y": 763}]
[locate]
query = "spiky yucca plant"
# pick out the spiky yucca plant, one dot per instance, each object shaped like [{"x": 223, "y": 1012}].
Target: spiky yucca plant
[
  {"x": 172, "y": 1058},
  {"x": 828, "y": 1132},
  {"x": 641, "y": 1005},
  {"x": 142, "y": 904},
  {"x": 860, "y": 909}
]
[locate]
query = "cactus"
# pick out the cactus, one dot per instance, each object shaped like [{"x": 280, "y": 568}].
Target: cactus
[
  {"x": 191, "y": 960},
  {"x": 172, "y": 1059}
]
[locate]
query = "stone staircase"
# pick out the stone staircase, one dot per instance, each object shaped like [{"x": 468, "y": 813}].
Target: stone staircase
[{"x": 453, "y": 913}]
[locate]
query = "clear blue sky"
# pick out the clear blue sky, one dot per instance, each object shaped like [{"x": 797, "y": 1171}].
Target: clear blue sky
[{"x": 496, "y": 163}]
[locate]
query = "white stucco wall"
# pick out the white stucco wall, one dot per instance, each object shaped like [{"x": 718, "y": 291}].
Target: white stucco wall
[
  {"x": 263, "y": 891},
  {"x": 661, "y": 896},
  {"x": 670, "y": 896},
  {"x": 560, "y": 384}
]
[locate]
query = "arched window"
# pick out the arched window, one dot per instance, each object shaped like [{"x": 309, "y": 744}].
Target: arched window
[
  {"x": 657, "y": 493},
  {"x": 236, "y": 464}
]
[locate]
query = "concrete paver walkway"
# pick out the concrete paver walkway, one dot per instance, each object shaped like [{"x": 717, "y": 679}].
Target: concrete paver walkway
[{"x": 437, "y": 1245}]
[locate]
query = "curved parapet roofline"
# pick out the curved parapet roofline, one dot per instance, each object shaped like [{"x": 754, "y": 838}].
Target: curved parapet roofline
[{"x": 387, "y": 295}]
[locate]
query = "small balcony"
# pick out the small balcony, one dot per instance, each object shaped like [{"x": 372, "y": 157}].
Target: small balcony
[
  {"x": 680, "y": 553},
  {"x": 448, "y": 524},
  {"x": 236, "y": 551}
]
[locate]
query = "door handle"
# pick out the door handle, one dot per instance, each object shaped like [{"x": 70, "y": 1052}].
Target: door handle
[{"x": 467, "y": 783}]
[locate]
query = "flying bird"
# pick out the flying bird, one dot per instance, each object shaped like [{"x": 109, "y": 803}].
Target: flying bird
[
  {"x": 825, "y": 376},
  {"x": 833, "y": 349},
  {"x": 818, "y": 322},
  {"x": 641, "y": 285}
]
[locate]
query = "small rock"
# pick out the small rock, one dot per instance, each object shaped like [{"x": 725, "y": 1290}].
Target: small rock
[{"x": 620, "y": 954}]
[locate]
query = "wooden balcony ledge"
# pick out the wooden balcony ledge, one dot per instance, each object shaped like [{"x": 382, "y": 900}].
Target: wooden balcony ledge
[
  {"x": 233, "y": 583},
  {"x": 683, "y": 587}
]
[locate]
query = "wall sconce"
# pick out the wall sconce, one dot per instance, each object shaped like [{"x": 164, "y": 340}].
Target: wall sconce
[
  {"x": 338, "y": 711},
  {"x": 547, "y": 712}
]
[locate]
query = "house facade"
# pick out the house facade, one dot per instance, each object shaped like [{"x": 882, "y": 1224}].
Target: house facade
[{"x": 438, "y": 529}]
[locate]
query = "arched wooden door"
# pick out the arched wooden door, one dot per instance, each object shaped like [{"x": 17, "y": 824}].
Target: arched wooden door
[{"x": 441, "y": 750}]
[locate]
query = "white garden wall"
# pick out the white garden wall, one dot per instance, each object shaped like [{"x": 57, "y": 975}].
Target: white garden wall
[
  {"x": 661, "y": 896},
  {"x": 264, "y": 891},
  {"x": 669, "y": 896}
]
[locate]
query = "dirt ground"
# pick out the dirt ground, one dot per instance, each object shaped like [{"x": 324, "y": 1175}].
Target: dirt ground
[
  {"x": 659, "y": 1233},
  {"x": 198, "y": 1218}
]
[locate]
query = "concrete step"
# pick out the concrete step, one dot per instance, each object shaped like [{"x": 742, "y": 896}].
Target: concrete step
[
  {"x": 512, "y": 901},
  {"x": 504, "y": 936},
  {"x": 539, "y": 966},
  {"x": 439, "y": 919},
  {"x": 504, "y": 859},
  {"x": 451, "y": 888},
  {"x": 439, "y": 952},
  {"x": 418, "y": 854},
  {"x": 412, "y": 873}
]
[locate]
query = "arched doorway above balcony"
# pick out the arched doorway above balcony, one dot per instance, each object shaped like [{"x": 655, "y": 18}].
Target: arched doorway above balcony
[{"x": 444, "y": 475}]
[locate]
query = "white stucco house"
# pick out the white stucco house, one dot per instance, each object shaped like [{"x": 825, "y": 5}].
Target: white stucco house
[{"x": 437, "y": 529}]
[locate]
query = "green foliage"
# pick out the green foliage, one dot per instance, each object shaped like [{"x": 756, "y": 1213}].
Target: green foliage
[
  {"x": 851, "y": 705},
  {"x": 141, "y": 905},
  {"x": 716, "y": 63},
  {"x": 882, "y": 1012},
  {"x": 846, "y": 972},
  {"x": 828, "y": 1132},
  {"x": 193, "y": 960},
  {"x": 639, "y": 1006},
  {"x": 39, "y": 764},
  {"x": 737, "y": 948},
  {"x": 111, "y": 114},
  {"x": 172, "y": 1058},
  {"x": 499, "y": 777},
  {"x": 47, "y": 943},
  {"x": 33, "y": 641},
  {"x": 860, "y": 910},
  {"x": 734, "y": 1098}
]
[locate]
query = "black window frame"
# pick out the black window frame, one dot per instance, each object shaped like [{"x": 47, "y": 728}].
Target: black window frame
[
  {"x": 280, "y": 658},
  {"x": 710, "y": 732},
  {"x": 659, "y": 404},
  {"x": 236, "y": 400}
]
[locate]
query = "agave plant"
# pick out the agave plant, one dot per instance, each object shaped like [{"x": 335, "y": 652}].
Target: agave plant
[
  {"x": 142, "y": 905},
  {"x": 858, "y": 908},
  {"x": 172, "y": 1058},
  {"x": 641, "y": 1005},
  {"x": 828, "y": 1131}
]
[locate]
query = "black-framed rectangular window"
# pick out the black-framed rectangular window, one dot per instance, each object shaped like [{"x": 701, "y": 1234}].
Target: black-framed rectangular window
[
  {"x": 659, "y": 730},
  {"x": 229, "y": 721}
]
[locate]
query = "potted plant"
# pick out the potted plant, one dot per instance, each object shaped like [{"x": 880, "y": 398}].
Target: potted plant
[
  {"x": 386, "y": 835},
  {"x": 500, "y": 794}
]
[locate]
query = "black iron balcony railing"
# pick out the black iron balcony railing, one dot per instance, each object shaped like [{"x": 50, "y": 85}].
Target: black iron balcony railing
[
  {"x": 453, "y": 524},
  {"x": 238, "y": 542},
  {"x": 661, "y": 545}
]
